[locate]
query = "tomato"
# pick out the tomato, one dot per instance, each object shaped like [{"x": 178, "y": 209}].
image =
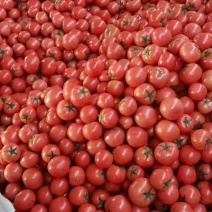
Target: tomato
[
  {"x": 159, "y": 179},
  {"x": 59, "y": 166},
  {"x": 136, "y": 136},
  {"x": 141, "y": 193},
  {"x": 135, "y": 76},
  {"x": 24, "y": 200},
  {"x": 103, "y": 158},
  {"x": 114, "y": 137},
  {"x": 205, "y": 79},
  {"x": 205, "y": 59},
  {"x": 10, "y": 152},
  {"x": 145, "y": 94},
  {"x": 190, "y": 52},
  {"x": 181, "y": 206},
  {"x": 59, "y": 186},
  {"x": 116, "y": 174},
  {"x": 78, "y": 195},
  {"x": 189, "y": 155},
  {"x": 151, "y": 54},
  {"x": 204, "y": 171},
  {"x": 37, "y": 142},
  {"x": 60, "y": 204},
  {"x": 186, "y": 174},
  {"x": 205, "y": 192},
  {"x": 144, "y": 157},
  {"x": 32, "y": 178},
  {"x": 49, "y": 151},
  {"x": 76, "y": 176},
  {"x": 166, "y": 153},
  {"x": 117, "y": 203},
  {"x": 169, "y": 195},
  {"x": 167, "y": 131},
  {"x": 31, "y": 63},
  {"x": 79, "y": 96},
  {"x": 200, "y": 139},
  {"x": 94, "y": 174}
]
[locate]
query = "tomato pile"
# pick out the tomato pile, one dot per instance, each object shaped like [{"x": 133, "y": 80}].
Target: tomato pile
[{"x": 106, "y": 105}]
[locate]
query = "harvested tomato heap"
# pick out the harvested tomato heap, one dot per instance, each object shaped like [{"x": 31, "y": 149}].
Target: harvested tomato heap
[{"x": 106, "y": 105}]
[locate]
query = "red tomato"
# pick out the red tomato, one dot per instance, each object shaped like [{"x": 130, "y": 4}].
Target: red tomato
[
  {"x": 186, "y": 174},
  {"x": 60, "y": 204},
  {"x": 78, "y": 195},
  {"x": 117, "y": 203},
  {"x": 167, "y": 131},
  {"x": 24, "y": 200},
  {"x": 190, "y": 52},
  {"x": 159, "y": 179},
  {"x": 59, "y": 166},
  {"x": 32, "y": 178},
  {"x": 166, "y": 153},
  {"x": 171, "y": 108},
  {"x": 141, "y": 193}
]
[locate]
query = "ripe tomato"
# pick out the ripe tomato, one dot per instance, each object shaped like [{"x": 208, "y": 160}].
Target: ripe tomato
[
  {"x": 189, "y": 52},
  {"x": 79, "y": 96},
  {"x": 200, "y": 139},
  {"x": 167, "y": 131},
  {"x": 24, "y": 200},
  {"x": 117, "y": 203},
  {"x": 61, "y": 204},
  {"x": 151, "y": 54},
  {"x": 59, "y": 166},
  {"x": 145, "y": 94},
  {"x": 10, "y": 152},
  {"x": 186, "y": 174},
  {"x": 181, "y": 206},
  {"x": 32, "y": 178},
  {"x": 144, "y": 157},
  {"x": 78, "y": 195},
  {"x": 159, "y": 179},
  {"x": 169, "y": 195},
  {"x": 141, "y": 193},
  {"x": 166, "y": 153}
]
